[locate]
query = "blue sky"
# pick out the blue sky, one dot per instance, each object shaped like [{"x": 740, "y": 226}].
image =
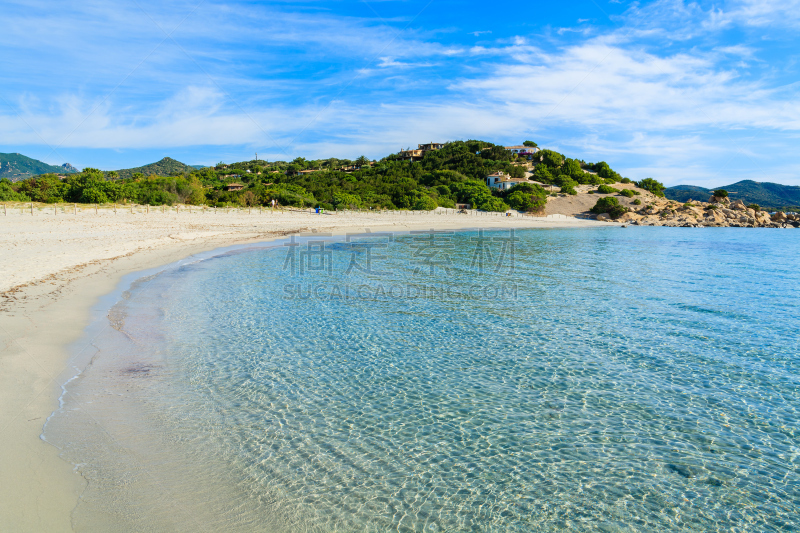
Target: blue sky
[{"x": 703, "y": 93}]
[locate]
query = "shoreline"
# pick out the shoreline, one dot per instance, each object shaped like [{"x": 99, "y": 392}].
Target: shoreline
[{"x": 59, "y": 269}]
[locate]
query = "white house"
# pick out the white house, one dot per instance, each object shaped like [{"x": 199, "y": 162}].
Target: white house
[
  {"x": 502, "y": 181},
  {"x": 522, "y": 150}
]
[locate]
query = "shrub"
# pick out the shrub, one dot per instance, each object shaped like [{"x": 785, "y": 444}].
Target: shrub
[
  {"x": 605, "y": 189},
  {"x": 523, "y": 201},
  {"x": 721, "y": 193},
  {"x": 651, "y": 185},
  {"x": 754, "y": 207},
  {"x": 569, "y": 190},
  {"x": 494, "y": 204},
  {"x": 93, "y": 196},
  {"x": 8, "y": 194},
  {"x": 609, "y": 205},
  {"x": 564, "y": 181},
  {"x": 627, "y": 193},
  {"x": 609, "y": 181},
  {"x": 625, "y": 180},
  {"x": 637, "y": 202},
  {"x": 424, "y": 203},
  {"x": 346, "y": 201}
]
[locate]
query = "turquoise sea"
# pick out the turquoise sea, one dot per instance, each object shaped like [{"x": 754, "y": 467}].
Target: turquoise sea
[{"x": 597, "y": 380}]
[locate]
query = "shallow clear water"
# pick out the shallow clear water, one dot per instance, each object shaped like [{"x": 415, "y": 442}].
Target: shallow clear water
[{"x": 640, "y": 379}]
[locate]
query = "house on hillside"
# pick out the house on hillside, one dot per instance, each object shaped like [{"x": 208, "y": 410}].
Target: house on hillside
[
  {"x": 522, "y": 150},
  {"x": 419, "y": 153},
  {"x": 234, "y": 187},
  {"x": 430, "y": 147},
  {"x": 502, "y": 181}
]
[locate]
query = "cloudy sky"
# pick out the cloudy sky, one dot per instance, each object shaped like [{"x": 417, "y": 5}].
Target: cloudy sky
[{"x": 702, "y": 93}]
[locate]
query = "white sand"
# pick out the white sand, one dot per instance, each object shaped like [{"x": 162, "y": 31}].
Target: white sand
[{"x": 53, "y": 269}]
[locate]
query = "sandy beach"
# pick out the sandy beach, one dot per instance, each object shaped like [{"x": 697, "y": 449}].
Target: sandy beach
[{"x": 55, "y": 266}]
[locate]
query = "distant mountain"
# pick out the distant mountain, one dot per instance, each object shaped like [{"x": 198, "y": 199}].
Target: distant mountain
[
  {"x": 19, "y": 167},
  {"x": 165, "y": 167},
  {"x": 198, "y": 167},
  {"x": 768, "y": 195}
]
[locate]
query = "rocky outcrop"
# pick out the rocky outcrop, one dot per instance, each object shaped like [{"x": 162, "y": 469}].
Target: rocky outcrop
[
  {"x": 719, "y": 200},
  {"x": 722, "y": 213}
]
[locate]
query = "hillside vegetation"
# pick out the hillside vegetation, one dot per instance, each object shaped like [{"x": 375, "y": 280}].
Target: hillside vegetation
[
  {"x": 17, "y": 166},
  {"x": 773, "y": 196},
  {"x": 165, "y": 167},
  {"x": 453, "y": 175}
]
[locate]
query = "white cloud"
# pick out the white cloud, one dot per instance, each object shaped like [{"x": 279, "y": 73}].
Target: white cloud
[
  {"x": 600, "y": 85},
  {"x": 316, "y": 84}
]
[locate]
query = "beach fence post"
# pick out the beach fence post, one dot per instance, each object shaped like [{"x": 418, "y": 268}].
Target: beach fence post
[
  {"x": 95, "y": 209},
  {"x": 75, "y": 206},
  {"x": 115, "y": 209},
  {"x": 5, "y": 210},
  {"x": 31, "y": 208}
]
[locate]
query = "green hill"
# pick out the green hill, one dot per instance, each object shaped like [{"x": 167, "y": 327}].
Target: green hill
[
  {"x": 768, "y": 195},
  {"x": 19, "y": 167},
  {"x": 165, "y": 167}
]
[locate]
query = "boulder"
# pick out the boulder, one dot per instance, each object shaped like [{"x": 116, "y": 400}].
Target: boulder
[
  {"x": 739, "y": 205},
  {"x": 629, "y": 217},
  {"x": 719, "y": 200},
  {"x": 604, "y": 217},
  {"x": 713, "y": 215},
  {"x": 763, "y": 217},
  {"x": 780, "y": 216}
]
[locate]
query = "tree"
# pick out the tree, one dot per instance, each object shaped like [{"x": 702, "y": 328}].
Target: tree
[
  {"x": 655, "y": 187},
  {"x": 362, "y": 161},
  {"x": 492, "y": 203},
  {"x": 516, "y": 172},
  {"x": 425, "y": 203},
  {"x": 609, "y": 205},
  {"x": 572, "y": 168},
  {"x": 8, "y": 194},
  {"x": 552, "y": 159},
  {"x": 93, "y": 196},
  {"x": 343, "y": 200},
  {"x": 542, "y": 174},
  {"x": 530, "y": 144},
  {"x": 721, "y": 193},
  {"x": 521, "y": 200}
]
